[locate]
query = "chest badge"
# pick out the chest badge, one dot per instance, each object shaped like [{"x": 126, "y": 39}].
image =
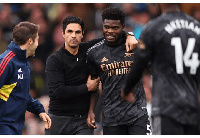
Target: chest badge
[
  {"x": 128, "y": 54},
  {"x": 20, "y": 75},
  {"x": 104, "y": 59}
]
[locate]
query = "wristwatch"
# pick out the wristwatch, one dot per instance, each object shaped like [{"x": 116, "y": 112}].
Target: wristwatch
[{"x": 130, "y": 33}]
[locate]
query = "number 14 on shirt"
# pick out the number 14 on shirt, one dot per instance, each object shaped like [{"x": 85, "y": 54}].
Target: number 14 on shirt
[{"x": 181, "y": 59}]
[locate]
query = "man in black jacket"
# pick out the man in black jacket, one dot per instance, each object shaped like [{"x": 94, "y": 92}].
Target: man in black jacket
[
  {"x": 172, "y": 43},
  {"x": 110, "y": 61},
  {"x": 68, "y": 81}
]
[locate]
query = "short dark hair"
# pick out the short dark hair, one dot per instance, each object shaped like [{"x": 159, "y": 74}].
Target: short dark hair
[
  {"x": 112, "y": 13},
  {"x": 23, "y": 31},
  {"x": 72, "y": 19}
]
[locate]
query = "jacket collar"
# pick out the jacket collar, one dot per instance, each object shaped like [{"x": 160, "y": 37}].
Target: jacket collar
[
  {"x": 17, "y": 50},
  {"x": 66, "y": 51}
]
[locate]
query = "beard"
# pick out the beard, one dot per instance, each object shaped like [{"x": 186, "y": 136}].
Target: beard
[{"x": 74, "y": 46}]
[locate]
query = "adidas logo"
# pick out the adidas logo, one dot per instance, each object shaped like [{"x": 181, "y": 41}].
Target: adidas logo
[
  {"x": 128, "y": 54},
  {"x": 104, "y": 59},
  {"x": 20, "y": 70},
  {"x": 20, "y": 75}
]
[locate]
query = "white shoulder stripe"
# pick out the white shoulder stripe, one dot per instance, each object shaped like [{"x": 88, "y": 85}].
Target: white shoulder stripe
[{"x": 96, "y": 45}]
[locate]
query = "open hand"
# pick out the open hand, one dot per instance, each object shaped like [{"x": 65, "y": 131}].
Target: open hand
[{"x": 46, "y": 119}]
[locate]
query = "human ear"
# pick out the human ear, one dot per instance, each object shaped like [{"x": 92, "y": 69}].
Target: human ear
[
  {"x": 123, "y": 26},
  {"x": 63, "y": 34},
  {"x": 30, "y": 41}
]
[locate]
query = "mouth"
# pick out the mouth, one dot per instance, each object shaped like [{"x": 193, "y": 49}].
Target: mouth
[
  {"x": 110, "y": 37},
  {"x": 74, "y": 41}
]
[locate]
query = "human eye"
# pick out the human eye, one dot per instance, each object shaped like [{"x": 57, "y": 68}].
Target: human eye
[
  {"x": 106, "y": 27},
  {"x": 69, "y": 31},
  {"x": 116, "y": 28},
  {"x": 78, "y": 32}
]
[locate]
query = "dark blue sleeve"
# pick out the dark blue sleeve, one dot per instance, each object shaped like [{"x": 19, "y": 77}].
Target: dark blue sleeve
[
  {"x": 34, "y": 106},
  {"x": 5, "y": 73}
]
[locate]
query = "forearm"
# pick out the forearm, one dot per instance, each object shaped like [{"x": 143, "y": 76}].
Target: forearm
[
  {"x": 93, "y": 101},
  {"x": 63, "y": 92},
  {"x": 34, "y": 106},
  {"x": 140, "y": 62},
  {"x": 91, "y": 43}
]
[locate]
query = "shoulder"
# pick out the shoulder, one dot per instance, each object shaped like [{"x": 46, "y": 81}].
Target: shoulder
[
  {"x": 188, "y": 17},
  {"x": 95, "y": 47},
  {"x": 51, "y": 57},
  {"x": 7, "y": 57},
  {"x": 153, "y": 24},
  {"x": 54, "y": 59},
  {"x": 154, "y": 27},
  {"x": 7, "y": 61}
]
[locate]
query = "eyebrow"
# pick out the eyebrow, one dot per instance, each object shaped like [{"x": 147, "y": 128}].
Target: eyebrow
[
  {"x": 72, "y": 30},
  {"x": 111, "y": 26},
  {"x": 77, "y": 31},
  {"x": 69, "y": 30}
]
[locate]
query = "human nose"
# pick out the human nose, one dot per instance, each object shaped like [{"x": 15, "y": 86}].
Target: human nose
[
  {"x": 110, "y": 30},
  {"x": 73, "y": 34}
]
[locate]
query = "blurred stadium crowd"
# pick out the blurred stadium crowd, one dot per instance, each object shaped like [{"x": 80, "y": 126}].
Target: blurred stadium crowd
[{"x": 50, "y": 16}]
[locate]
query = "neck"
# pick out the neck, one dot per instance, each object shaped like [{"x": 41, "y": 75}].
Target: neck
[
  {"x": 24, "y": 47},
  {"x": 171, "y": 8},
  {"x": 120, "y": 41},
  {"x": 72, "y": 50}
]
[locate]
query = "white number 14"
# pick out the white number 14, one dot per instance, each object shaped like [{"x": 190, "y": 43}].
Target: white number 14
[{"x": 181, "y": 59}]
